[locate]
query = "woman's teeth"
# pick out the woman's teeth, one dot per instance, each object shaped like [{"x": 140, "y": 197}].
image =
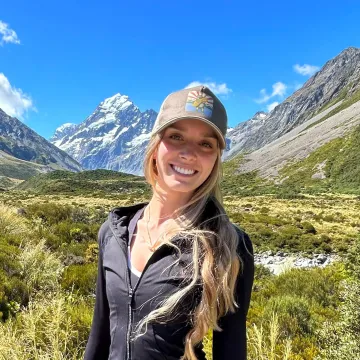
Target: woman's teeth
[{"x": 183, "y": 171}]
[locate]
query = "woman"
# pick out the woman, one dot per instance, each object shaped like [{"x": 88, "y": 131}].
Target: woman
[{"x": 175, "y": 268}]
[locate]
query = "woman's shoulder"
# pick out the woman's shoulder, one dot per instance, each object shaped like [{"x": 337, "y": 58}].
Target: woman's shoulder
[
  {"x": 245, "y": 246},
  {"x": 118, "y": 217}
]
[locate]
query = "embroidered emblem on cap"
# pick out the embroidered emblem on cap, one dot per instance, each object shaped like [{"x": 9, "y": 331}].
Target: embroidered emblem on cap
[{"x": 200, "y": 102}]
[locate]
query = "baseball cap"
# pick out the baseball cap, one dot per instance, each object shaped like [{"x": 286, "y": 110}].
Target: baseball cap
[{"x": 198, "y": 102}]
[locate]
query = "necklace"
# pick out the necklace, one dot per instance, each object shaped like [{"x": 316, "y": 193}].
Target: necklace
[{"x": 152, "y": 246}]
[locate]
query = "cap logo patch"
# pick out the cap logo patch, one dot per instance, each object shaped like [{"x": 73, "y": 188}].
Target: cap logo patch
[{"x": 200, "y": 102}]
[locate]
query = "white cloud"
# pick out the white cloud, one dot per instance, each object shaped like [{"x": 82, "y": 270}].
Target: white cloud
[
  {"x": 279, "y": 89},
  {"x": 7, "y": 35},
  {"x": 306, "y": 69},
  {"x": 218, "y": 89},
  {"x": 272, "y": 106},
  {"x": 13, "y": 101}
]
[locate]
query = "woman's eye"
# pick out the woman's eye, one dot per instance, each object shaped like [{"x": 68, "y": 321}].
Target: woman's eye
[
  {"x": 206, "y": 144},
  {"x": 175, "y": 137}
]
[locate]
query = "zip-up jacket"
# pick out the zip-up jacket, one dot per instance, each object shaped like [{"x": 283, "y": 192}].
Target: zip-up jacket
[{"x": 119, "y": 307}]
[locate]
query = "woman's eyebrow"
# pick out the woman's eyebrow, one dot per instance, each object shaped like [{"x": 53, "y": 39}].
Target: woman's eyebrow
[{"x": 206, "y": 135}]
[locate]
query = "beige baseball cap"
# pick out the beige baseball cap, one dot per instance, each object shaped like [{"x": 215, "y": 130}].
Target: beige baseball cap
[{"x": 194, "y": 103}]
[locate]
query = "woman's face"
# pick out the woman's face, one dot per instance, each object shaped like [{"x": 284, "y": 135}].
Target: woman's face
[{"x": 186, "y": 155}]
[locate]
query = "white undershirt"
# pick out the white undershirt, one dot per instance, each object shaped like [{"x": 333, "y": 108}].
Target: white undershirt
[{"x": 135, "y": 271}]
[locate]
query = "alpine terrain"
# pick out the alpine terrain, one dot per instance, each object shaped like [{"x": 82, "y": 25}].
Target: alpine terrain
[
  {"x": 24, "y": 153},
  {"x": 115, "y": 135}
]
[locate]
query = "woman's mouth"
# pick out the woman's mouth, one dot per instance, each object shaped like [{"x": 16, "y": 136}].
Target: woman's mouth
[{"x": 183, "y": 171}]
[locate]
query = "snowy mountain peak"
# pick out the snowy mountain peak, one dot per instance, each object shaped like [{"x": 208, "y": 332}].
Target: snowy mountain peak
[
  {"x": 62, "y": 131},
  {"x": 113, "y": 137},
  {"x": 260, "y": 115},
  {"x": 115, "y": 103},
  {"x": 65, "y": 126}
]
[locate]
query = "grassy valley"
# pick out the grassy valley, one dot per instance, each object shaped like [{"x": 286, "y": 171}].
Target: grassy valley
[{"x": 48, "y": 271}]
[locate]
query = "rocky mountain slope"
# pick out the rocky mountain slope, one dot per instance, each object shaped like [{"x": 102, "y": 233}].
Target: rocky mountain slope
[
  {"x": 238, "y": 135},
  {"x": 113, "y": 137},
  {"x": 321, "y": 156},
  {"x": 338, "y": 79},
  {"x": 24, "y": 153}
]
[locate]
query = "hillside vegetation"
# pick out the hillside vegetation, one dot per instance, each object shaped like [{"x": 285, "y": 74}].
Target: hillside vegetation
[
  {"x": 93, "y": 182},
  {"x": 337, "y": 164},
  {"x": 333, "y": 167}
]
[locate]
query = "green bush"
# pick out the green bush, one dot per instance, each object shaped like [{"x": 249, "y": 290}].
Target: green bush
[
  {"x": 50, "y": 213},
  {"x": 294, "y": 314},
  {"x": 81, "y": 278},
  {"x": 308, "y": 228},
  {"x": 340, "y": 339}
]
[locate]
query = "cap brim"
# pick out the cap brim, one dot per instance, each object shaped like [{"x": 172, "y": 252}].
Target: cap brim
[{"x": 219, "y": 134}]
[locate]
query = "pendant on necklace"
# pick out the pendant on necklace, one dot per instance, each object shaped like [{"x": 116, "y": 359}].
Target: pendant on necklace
[{"x": 152, "y": 248}]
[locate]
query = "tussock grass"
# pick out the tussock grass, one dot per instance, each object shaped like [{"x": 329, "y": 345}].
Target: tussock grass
[
  {"x": 266, "y": 343},
  {"x": 43, "y": 331},
  {"x": 11, "y": 223},
  {"x": 41, "y": 269}
]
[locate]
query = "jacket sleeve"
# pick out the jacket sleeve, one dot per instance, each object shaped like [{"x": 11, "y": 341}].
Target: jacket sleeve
[
  {"x": 98, "y": 345},
  {"x": 230, "y": 343}
]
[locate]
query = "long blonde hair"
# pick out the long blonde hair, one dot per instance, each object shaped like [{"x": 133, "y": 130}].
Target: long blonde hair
[{"x": 215, "y": 263}]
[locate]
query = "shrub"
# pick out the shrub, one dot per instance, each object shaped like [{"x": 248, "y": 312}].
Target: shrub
[
  {"x": 81, "y": 278},
  {"x": 340, "y": 339},
  {"x": 308, "y": 228},
  {"x": 50, "y": 213},
  {"x": 293, "y": 314},
  {"x": 91, "y": 253}
]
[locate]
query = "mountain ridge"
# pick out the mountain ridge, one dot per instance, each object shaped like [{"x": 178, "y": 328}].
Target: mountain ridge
[{"x": 24, "y": 153}]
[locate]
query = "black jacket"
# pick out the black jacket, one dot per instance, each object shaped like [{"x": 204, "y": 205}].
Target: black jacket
[{"x": 118, "y": 307}]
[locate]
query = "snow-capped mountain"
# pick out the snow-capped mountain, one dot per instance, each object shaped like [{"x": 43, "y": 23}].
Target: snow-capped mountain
[
  {"x": 61, "y": 132},
  {"x": 113, "y": 137},
  {"x": 238, "y": 135}
]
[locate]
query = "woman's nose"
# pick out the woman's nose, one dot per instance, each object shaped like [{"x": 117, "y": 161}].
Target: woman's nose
[{"x": 188, "y": 152}]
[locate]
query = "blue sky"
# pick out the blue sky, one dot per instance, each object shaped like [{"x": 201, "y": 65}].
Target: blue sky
[{"x": 59, "y": 60}]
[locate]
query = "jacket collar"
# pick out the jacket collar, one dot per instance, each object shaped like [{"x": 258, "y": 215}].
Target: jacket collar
[{"x": 119, "y": 219}]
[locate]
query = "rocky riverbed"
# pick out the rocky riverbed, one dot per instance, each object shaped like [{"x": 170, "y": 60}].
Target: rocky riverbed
[{"x": 280, "y": 261}]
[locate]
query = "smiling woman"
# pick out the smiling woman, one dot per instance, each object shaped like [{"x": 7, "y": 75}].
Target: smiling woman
[
  {"x": 172, "y": 269},
  {"x": 186, "y": 156}
]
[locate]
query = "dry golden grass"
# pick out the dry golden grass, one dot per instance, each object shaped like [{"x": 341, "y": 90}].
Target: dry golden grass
[
  {"x": 266, "y": 345},
  {"x": 43, "y": 331}
]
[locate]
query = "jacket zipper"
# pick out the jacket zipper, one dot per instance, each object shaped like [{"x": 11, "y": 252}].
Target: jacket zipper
[
  {"x": 128, "y": 348},
  {"x": 131, "y": 293}
]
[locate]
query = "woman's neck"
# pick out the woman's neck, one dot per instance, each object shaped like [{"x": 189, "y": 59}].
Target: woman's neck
[{"x": 163, "y": 206}]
